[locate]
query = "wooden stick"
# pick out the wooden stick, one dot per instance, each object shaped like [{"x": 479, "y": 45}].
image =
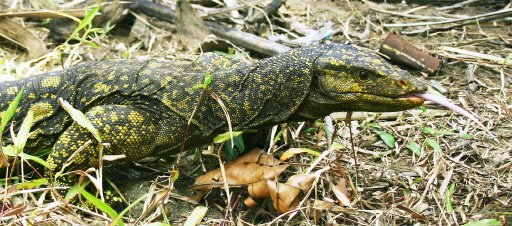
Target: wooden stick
[
  {"x": 44, "y": 14},
  {"x": 457, "y": 5},
  {"x": 476, "y": 55}
]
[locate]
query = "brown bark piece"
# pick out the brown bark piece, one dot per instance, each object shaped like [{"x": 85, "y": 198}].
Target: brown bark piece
[
  {"x": 191, "y": 29},
  {"x": 404, "y": 52}
]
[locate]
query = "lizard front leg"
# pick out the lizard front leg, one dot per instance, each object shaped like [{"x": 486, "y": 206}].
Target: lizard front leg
[{"x": 128, "y": 130}]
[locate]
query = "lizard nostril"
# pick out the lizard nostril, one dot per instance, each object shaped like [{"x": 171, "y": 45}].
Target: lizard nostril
[{"x": 403, "y": 82}]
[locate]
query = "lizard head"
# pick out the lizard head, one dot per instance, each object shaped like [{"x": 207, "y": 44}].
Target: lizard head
[{"x": 351, "y": 78}]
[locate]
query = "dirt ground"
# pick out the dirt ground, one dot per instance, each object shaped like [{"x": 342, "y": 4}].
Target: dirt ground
[{"x": 443, "y": 169}]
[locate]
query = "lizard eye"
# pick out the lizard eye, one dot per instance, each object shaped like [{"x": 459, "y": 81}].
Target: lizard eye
[{"x": 363, "y": 75}]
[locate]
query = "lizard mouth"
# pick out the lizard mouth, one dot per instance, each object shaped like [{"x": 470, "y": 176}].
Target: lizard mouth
[
  {"x": 378, "y": 103},
  {"x": 407, "y": 101},
  {"x": 412, "y": 98}
]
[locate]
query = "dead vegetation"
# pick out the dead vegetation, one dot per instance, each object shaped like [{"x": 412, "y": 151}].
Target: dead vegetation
[{"x": 428, "y": 166}]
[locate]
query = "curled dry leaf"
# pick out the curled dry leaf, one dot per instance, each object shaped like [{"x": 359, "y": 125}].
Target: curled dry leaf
[
  {"x": 237, "y": 174},
  {"x": 258, "y": 171},
  {"x": 257, "y": 192},
  {"x": 285, "y": 197},
  {"x": 302, "y": 181},
  {"x": 250, "y": 168},
  {"x": 258, "y": 156}
]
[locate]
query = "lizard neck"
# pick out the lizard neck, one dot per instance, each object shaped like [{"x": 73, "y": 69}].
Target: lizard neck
[{"x": 267, "y": 92}]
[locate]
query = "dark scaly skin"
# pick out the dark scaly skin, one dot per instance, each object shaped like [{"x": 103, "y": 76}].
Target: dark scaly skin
[{"x": 141, "y": 107}]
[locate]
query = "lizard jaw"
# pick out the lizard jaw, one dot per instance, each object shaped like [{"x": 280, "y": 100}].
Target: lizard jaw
[{"x": 376, "y": 103}]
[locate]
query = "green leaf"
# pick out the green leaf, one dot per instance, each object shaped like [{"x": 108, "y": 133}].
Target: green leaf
[
  {"x": 223, "y": 137},
  {"x": 74, "y": 190},
  {"x": 99, "y": 204},
  {"x": 81, "y": 119},
  {"x": 279, "y": 135},
  {"x": 387, "y": 138},
  {"x": 422, "y": 109},
  {"x": 293, "y": 151},
  {"x": 87, "y": 20},
  {"x": 11, "y": 151},
  {"x": 208, "y": 79},
  {"x": 35, "y": 159},
  {"x": 238, "y": 143},
  {"x": 448, "y": 197},
  {"x": 434, "y": 144},
  {"x": 199, "y": 86},
  {"x": 32, "y": 184},
  {"x": 196, "y": 216},
  {"x": 427, "y": 130},
  {"x": 466, "y": 136},
  {"x": 414, "y": 147},
  {"x": 9, "y": 113},
  {"x": 21, "y": 139},
  {"x": 484, "y": 222}
]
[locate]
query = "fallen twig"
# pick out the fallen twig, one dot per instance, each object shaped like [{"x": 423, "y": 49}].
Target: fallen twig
[
  {"x": 457, "y": 5},
  {"x": 460, "y": 22},
  {"x": 476, "y": 55}
]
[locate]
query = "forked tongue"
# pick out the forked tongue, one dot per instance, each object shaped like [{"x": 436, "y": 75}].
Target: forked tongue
[{"x": 450, "y": 105}]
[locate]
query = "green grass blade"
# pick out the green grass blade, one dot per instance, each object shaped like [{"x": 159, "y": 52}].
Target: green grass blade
[
  {"x": 35, "y": 159},
  {"x": 448, "y": 198},
  {"x": 118, "y": 220},
  {"x": 10, "y": 150},
  {"x": 9, "y": 113},
  {"x": 223, "y": 137},
  {"x": 102, "y": 206},
  {"x": 21, "y": 138},
  {"x": 87, "y": 20},
  {"x": 81, "y": 119},
  {"x": 32, "y": 184}
]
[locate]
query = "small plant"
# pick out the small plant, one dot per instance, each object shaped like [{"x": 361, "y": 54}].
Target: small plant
[{"x": 85, "y": 32}]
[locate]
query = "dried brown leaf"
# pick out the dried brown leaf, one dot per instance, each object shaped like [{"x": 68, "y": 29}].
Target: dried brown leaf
[
  {"x": 341, "y": 192},
  {"x": 258, "y": 156},
  {"x": 302, "y": 181},
  {"x": 259, "y": 190},
  {"x": 237, "y": 174},
  {"x": 285, "y": 197}
]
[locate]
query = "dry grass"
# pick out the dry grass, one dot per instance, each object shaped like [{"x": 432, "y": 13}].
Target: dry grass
[{"x": 471, "y": 170}]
